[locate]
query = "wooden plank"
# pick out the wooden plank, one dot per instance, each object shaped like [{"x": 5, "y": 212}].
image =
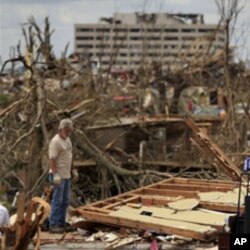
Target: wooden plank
[
  {"x": 213, "y": 151},
  {"x": 220, "y": 207},
  {"x": 149, "y": 200},
  {"x": 209, "y": 183},
  {"x": 170, "y": 193},
  {"x": 117, "y": 198},
  {"x": 225, "y": 164},
  {"x": 94, "y": 209},
  {"x": 192, "y": 187},
  {"x": 131, "y": 199}
]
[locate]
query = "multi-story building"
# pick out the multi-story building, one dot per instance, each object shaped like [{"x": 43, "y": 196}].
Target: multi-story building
[{"x": 127, "y": 40}]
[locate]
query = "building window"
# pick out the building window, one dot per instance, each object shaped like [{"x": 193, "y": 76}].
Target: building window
[
  {"x": 102, "y": 38},
  {"x": 136, "y": 62},
  {"x": 170, "y": 38},
  {"x": 85, "y": 30},
  {"x": 188, "y": 30},
  {"x": 171, "y": 30},
  {"x": 103, "y": 46},
  {"x": 135, "y": 38},
  {"x": 134, "y": 30},
  {"x": 102, "y": 30},
  {"x": 153, "y": 54},
  {"x": 188, "y": 38},
  {"x": 173, "y": 54},
  {"x": 119, "y": 30},
  {"x": 84, "y": 38},
  {"x": 185, "y": 46},
  {"x": 135, "y": 46},
  {"x": 123, "y": 54},
  {"x": 154, "y": 46},
  {"x": 154, "y": 38},
  {"x": 119, "y": 38},
  {"x": 166, "y": 54},
  {"x": 153, "y": 30},
  {"x": 120, "y": 46},
  {"x": 206, "y": 30},
  {"x": 86, "y": 46}
]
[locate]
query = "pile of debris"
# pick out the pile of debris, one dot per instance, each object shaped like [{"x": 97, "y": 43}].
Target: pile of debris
[
  {"x": 128, "y": 135},
  {"x": 170, "y": 214}
]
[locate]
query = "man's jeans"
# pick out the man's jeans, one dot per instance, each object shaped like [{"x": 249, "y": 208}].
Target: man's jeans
[{"x": 60, "y": 202}]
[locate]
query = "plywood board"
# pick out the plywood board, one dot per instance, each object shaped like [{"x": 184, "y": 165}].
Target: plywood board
[
  {"x": 177, "y": 227},
  {"x": 193, "y": 216}
]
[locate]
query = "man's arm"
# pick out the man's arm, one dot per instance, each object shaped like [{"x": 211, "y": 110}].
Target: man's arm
[
  {"x": 56, "y": 177},
  {"x": 53, "y": 165}
]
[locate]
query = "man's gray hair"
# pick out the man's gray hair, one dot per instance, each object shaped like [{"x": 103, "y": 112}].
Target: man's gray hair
[{"x": 65, "y": 123}]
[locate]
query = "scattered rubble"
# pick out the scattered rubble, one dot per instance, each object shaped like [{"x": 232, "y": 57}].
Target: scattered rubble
[{"x": 131, "y": 149}]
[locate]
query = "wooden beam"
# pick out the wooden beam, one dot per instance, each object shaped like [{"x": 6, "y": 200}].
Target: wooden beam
[
  {"x": 170, "y": 193},
  {"x": 191, "y": 187},
  {"x": 210, "y": 183},
  {"x": 131, "y": 199},
  {"x": 221, "y": 207},
  {"x": 213, "y": 152}
]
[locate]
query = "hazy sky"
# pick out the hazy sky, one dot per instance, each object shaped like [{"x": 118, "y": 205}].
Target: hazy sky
[{"x": 63, "y": 14}]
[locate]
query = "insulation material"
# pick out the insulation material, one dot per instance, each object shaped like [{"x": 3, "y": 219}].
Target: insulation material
[
  {"x": 230, "y": 197},
  {"x": 196, "y": 228},
  {"x": 192, "y": 216},
  {"x": 184, "y": 204}
]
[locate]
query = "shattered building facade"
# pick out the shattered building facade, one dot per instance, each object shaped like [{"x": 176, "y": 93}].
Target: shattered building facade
[{"x": 127, "y": 39}]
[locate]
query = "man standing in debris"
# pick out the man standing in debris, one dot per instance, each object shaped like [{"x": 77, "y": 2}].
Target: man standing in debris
[{"x": 61, "y": 169}]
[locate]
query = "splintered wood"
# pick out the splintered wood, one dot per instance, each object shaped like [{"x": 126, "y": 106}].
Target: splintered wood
[
  {"x": 214, "y": 154},
  {"x": 27, "y": 223}
]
